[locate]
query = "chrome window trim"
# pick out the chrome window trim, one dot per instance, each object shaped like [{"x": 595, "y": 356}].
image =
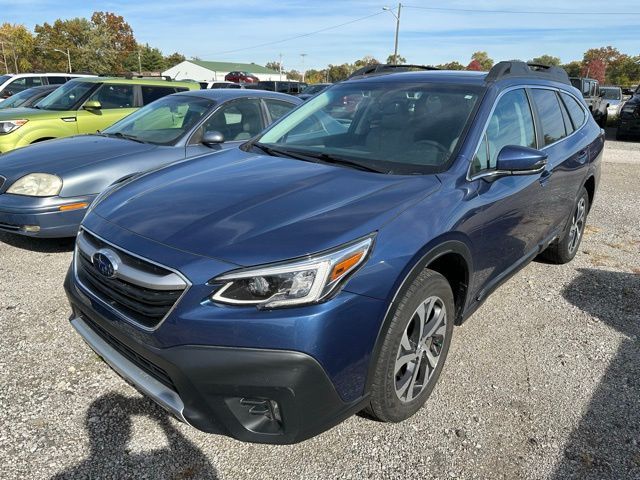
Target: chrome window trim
[
  {"x": 492, "y": 173},
  {"x": 2, "y": 180},
  {"x": 111, "y": 308}
]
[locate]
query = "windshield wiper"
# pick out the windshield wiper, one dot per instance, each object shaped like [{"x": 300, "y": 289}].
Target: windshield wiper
[
  {"x": 123, "y": 135},
  {"x": 328, "y": 158},
  {"x": 276, "y": 152}
]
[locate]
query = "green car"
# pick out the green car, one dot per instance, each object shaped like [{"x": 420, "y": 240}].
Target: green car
[{"x": 83, "y": 105}]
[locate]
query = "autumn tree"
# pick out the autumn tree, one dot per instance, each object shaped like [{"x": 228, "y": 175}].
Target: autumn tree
[
  {"x": 595, "y": 68},
  {"x": 474, "y": 65},
  {"x": 120, "y": 35},
  {"x": 482, "y": 59}
]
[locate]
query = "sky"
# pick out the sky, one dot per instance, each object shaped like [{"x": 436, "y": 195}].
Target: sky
[{"x": 259, "y": 31}]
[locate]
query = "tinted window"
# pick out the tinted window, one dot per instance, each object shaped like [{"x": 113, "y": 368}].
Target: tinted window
[
  {"x": 511, "y": 123},
  {"x": 568, "y": 125},
  {"x": 114, "y": 96},
  {"x": 576, "y": 82},
  {"x": 395, "y": 128},
  {"x": 23, "y": 83},
  {"x": 56, "y": 80},
  {"x": 238, "y": 120},
  {"x": 550, "y": 115},
  {"x": 576, "y": 112},
  {"x": 151, "y": 94},
  {"x": 277, "y": 108}
]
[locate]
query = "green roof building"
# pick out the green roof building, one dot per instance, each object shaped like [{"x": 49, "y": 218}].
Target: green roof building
[{"x": 208, "y": 71}]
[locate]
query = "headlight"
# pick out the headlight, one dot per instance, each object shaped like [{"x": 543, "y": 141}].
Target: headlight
[
  {"x": 628, "y": 108},
  {"x": 37, "y": 185},
  {"x": 9, "y": 126},
  {"x": 293, "y": 283}
]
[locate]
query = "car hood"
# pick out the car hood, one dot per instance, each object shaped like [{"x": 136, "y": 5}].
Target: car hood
[
  {"x": 65, "y": 154},
  {"x": 250, "y": 209}
]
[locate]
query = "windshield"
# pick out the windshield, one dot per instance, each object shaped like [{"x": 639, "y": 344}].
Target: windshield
[
  {"x": 402, "y": 128},
  {"x": 164, "y": 121},
  {"x": 17, "y": 99},
  {"x": 311, "y": 89},
  {"x": 66, "y": 97},
  {"x": 611, "y": 93}
]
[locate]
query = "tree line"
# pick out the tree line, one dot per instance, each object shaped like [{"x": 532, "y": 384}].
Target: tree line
[
  {"x": 606, "y": 64},
  {"x": 105, "y": 43}
]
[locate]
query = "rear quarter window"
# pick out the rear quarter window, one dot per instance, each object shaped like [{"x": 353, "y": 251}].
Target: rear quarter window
[
  {"x": 151, "y": 94},
  {"x": 576, "y": 112}
]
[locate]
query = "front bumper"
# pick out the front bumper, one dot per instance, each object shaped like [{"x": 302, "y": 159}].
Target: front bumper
[
  {"x": 41, "y": 217},
  {"x": 628, "y": 125},
  {"x": 251, "y": 394}
]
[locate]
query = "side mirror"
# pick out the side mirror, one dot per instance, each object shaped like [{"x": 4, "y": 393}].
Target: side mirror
[
  {"x": 212, "y": 137},
  {"x": 92, "y": 105},
  {"x": 517, "y": 160}
]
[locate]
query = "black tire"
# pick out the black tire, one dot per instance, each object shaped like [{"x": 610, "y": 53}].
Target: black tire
[
  {"x": 386, "y": 404},
  {"x": 563, "y": 249},
  {"x": 603, "y": 120}
]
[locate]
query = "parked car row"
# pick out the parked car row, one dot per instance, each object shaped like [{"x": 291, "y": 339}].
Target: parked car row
[
  {"x": 10, "y": 84},
  {"x": 267, "y": 283}
]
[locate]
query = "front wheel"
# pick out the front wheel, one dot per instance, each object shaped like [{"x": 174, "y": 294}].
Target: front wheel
[
  {"x": 565, "y": 248},
  {"x": 414, "y": 349}
]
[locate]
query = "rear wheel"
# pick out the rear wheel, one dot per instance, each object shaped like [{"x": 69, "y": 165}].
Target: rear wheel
[
  {"x": 414, "y": 349},
  {"x": 565, "y": 248}
]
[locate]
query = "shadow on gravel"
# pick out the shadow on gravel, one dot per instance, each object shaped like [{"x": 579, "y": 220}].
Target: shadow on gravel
[
  {"x": 43, "y": 245},
  {"x": 606, "y": 443},
  {"x": 109, "y": 424}
]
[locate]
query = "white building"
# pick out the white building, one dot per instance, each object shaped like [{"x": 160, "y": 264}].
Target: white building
[{"x": 204, "y": 71}]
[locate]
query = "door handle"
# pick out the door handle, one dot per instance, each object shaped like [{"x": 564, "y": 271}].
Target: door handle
[{"x": 582, "y": 157}]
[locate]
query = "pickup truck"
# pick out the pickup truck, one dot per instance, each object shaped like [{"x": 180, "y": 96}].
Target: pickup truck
[{"x": 590, "y": 89}]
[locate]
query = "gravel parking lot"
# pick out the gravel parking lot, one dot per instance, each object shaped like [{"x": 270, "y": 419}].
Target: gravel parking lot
[{"x": 543, "y": 382}]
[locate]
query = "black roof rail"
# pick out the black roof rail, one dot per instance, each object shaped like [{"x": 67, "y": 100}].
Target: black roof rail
[
  {"x": 131, "y": 75},
  {"x": 384, "y": 68},
  {"x": 526, "y": 70}
]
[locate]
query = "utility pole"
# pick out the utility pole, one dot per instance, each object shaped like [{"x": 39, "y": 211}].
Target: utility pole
[
  {"x": 139, "y": 63},
  {"x": 303, "y": 70},
  {"x": 280, "y": 65},
  {"x": 67, "y": 53},
  {"x": 397, "y": 15}
]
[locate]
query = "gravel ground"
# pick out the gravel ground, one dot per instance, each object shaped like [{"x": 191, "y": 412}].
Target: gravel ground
[{"x": 542, "y": 383}]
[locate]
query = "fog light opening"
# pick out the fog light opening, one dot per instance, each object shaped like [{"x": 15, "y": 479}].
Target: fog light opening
[
  {"x": 259, "y": 415},
  {"x": 31, "y": 228}
]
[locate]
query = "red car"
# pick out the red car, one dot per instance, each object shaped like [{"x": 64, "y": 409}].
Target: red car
[{"x": 241, "y": 77}]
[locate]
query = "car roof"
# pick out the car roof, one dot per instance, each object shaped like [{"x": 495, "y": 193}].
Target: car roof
[
  {"x": 137, "y": 81},
  {"x": 224, "y": 94},
  {"x": 440, "y": 76}
]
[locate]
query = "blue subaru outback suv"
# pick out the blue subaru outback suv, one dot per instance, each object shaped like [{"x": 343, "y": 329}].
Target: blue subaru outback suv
[{"x": 269, "y": 291}]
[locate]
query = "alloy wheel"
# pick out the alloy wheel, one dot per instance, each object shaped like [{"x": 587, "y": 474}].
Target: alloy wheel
[
  {"x": 577, "y": 225},
  {"x": 420, "y": 349}
]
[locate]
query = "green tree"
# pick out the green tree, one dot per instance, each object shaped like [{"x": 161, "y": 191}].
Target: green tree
[
  {"x": 451, "y": 66},
  {"x": 547, "y": 60},
  {"x": 18, "y": 50},
  {"x": 573, "y": 69},
  {"x": 336, "y": 73},
  {"x": 173, "y": 59},
  {"x": 294, "y": 75},
  {"x": 76, "y": 35},
  {"x": 365, "y": 62},
  {"x": 482, "y": 59},
  {"x": 624, "y": 71},
  {"x": 396, "y": 59},
  {"x": 315, "y": 76},
  {"x": 116, "y": 35},
  {"x": 145, "y": 59},
  {"x": 273, "y": 66}
]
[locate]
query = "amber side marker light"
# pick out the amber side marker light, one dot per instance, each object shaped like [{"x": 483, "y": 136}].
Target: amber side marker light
[
  {"x": 73, "y": 206},
  {"x": 345, "y": 265}
]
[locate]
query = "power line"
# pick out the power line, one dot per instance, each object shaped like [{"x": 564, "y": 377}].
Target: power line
[
  {"x": 514, "y": 12},
  {"x": 300, "y": 36}
]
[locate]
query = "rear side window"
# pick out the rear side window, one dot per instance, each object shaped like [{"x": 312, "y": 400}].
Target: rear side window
[
  {"x": 23, "y": 83},
  {"x": 277, "y": 108},
  {"x": 511, "y": 123},
  {"x": 550, "y": 113},
  {"x": 56, "y": 80},
  {"x": 150, "y": 94},
  {"x": 114, "y": 96},
  {"x": 576, "y": 112}
]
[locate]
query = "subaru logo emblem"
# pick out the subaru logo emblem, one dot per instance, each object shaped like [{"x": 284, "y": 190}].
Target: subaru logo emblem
[{"x": 106, "y": 262}]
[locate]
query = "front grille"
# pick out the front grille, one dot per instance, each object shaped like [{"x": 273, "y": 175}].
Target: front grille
[
  {"x": 137, "y": 359},
  {"x": 135, "y": 296}
]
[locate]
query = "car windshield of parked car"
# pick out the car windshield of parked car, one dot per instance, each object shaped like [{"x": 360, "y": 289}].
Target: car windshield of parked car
[
  {"x": 4, "y": 78},
  {"x": 163, "y": 122},
  {"x": 612, "y": 93},
  {"x": 405, "y": 128},
  {"x": 16, "y": 100},
  {"x": 66, "y": 97},
  {"x": 313, "y": 89}
]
